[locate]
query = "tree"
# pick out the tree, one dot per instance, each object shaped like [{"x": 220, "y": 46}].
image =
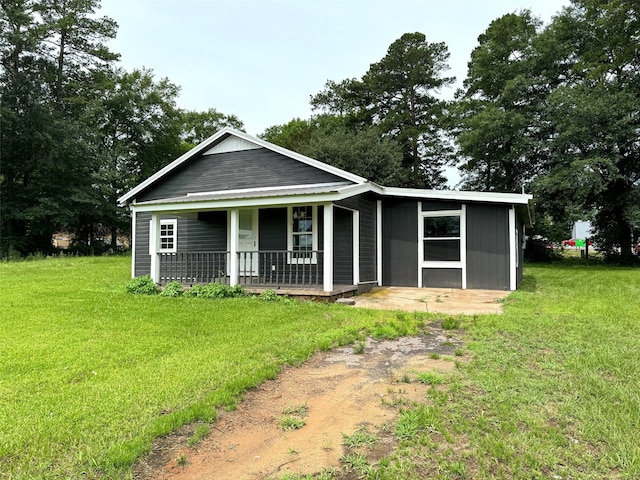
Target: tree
[
  {"x": 595, "y": 160},
  {"x": 500, "y": 133},
  {"x": 556, "y": 109},
  {"x": 44, "y": 152},
  {"x": 198, "y": 126},
  {"x": 139, "y": 133},
  {"x": 397, "y": 95},
  {"x": 326, "y": 138}
]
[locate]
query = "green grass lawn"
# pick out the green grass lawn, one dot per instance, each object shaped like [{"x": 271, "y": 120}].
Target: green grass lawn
[
  {"x": 551, "y": 391},
  {"x": 89, "y": 374}
]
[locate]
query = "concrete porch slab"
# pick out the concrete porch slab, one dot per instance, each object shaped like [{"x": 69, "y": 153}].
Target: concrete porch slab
[{"x": 451, "y": 301}]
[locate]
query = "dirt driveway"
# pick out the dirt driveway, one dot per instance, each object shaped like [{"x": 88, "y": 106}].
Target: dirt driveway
[{"x": 340, "y": 392}]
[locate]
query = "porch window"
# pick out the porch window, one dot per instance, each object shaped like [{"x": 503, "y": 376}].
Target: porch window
[
  {"x": 303, "y": 236},
  {"x": 441, "y": 238},
  {"x": 168, "y": 236}
]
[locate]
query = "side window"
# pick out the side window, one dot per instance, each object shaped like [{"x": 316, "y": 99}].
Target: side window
[
  {"x": 441, "y": 238},
  {"x": 168, "y": 236}
]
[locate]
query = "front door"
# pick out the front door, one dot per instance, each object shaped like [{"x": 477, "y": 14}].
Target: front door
[{"x": 248, "y": 242}]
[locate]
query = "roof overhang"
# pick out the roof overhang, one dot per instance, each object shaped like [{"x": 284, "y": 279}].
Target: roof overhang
[{"x": 252, "y": 198}]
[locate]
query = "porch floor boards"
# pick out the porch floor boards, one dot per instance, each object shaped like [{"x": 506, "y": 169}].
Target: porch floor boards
[{"x": 303, "y": 291}]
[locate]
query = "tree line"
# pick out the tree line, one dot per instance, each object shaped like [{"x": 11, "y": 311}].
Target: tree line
[
  {"x": 552, "y": 110},
  {"x": 77, "y": 131}
]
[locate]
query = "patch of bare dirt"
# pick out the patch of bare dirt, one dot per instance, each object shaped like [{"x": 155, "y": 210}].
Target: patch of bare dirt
[{"x": 343, "y": 391}]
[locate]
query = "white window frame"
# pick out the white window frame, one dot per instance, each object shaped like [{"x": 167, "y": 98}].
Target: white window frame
[
  {"x": 173, "y": 222},
  {"x": 291, "y": 258},
  {"x": 462, "y": 263}
]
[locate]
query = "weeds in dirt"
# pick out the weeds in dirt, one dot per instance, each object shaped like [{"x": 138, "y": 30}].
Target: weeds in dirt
[
  {"x": 297, "y": 410},
  {"x": 354, "y": 462},
  {"x": 182, "y": 460},
  {"x": 358, "y": 348},
  {"x": 360, "y": 438},
  {"x": 200, "y": 432},
  {"x": 430, "y": 378},
  {"x": 434, "y": 356},
  {"x": 289, "y": 422},
  {"x": 294, "y": 417}
]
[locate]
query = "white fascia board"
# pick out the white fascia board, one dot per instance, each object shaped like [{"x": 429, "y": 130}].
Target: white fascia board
[
  {"x": 204, "y": 146},
  {"x": 261, "y": 189},
  {"x": 283, "y": 200},
  {"x": 463, "y": 196}
]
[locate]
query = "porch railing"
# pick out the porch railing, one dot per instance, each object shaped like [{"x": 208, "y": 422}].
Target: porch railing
[
  {"x": 194, "y": 267},
  {"x": 280, "y": 267},
  {"x": 262, "y": 268}
]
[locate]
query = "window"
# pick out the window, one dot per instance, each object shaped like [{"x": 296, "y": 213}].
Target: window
[
  {"x": 168, "y": 236},
  {"x": 441, "y": 238},
  {"x": 303, "y": 237}
]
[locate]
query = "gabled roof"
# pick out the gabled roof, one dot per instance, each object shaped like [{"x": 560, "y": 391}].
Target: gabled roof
[{"x": 218, "y": 138}]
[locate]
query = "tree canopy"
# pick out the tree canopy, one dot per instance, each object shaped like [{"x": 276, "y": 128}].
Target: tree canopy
[
  {"x": 556, "y": 110},
  {"x": 76, "y": 131}
]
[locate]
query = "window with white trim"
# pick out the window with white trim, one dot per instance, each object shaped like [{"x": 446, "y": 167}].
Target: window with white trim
[
  {"x": 303, "y": 234},
  {"x": 441, "y": 238},
  {"x": 168, "y": 236}
]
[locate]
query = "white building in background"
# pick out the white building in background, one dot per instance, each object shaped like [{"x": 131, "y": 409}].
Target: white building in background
[{"x": 582, "y": 229}]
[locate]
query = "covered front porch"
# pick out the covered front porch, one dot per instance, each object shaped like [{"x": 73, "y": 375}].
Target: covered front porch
[{"x": 308, "y": 265}]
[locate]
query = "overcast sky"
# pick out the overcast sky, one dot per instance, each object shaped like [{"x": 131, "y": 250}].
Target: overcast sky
[{"x": 262, "y": 60}]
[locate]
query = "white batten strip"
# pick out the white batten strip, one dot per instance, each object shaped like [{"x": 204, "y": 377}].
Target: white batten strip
[{"x": 512, "y": 249}]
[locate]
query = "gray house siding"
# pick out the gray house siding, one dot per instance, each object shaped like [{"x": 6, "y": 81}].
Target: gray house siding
[
  {"x": 236, "y": 170},
  {"x": 442, "y": 277},
  {"x": 342, "y": 246},
  {"x": 488, "y": 246},
  {"x": 142, "y": 264},
  {"x": 366, "y": 205},
  {"x": 272, "y": 224},
  {"x": 400, "y": 243},
  {"x": 520, "y": 271}
]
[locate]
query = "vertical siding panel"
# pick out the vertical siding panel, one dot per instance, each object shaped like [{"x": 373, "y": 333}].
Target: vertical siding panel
[
  {"x": 366, "y": 205},
  {"x": 143, "y": 259},
  {"x": 488, "y": 246},
  {"x": 399, "y": 243},
  {"x": 342, "y": 246}
]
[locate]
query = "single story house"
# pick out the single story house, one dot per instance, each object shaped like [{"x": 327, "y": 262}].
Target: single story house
[{"x": 241, "y": 210}]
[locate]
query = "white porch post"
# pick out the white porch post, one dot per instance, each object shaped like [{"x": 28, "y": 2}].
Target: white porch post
[
  {"x": 513, "y": 270},
  {"x": 234, "y": 224},
  {"x": 379, "y": 241},
  {"x": 154, "y": 242},
  {"x": 327, "y": 284},
  {"x": 356, "y": 247}
]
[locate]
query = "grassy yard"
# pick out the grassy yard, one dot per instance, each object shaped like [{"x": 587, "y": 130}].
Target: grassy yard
[{"x": 89, "y": 374}]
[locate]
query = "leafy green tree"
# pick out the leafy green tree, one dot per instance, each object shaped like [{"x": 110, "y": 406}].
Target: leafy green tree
[
  {"x": 595, "y": 161},
  {"x": 398, "y": 96},
  {"x": 198, "y": 126},
  {"x": 326, "y": 138},
  {"x": 45, "y": 155},
  {"x": 500, "y": 131}
]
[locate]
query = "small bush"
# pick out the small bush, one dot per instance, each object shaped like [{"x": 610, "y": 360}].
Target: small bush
[
  {"x": 142, "y": 285},
  {"x": 173, "y": 289},
  {"x": 269, "y": 296},
  {"x": 215, "y": 290}
]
